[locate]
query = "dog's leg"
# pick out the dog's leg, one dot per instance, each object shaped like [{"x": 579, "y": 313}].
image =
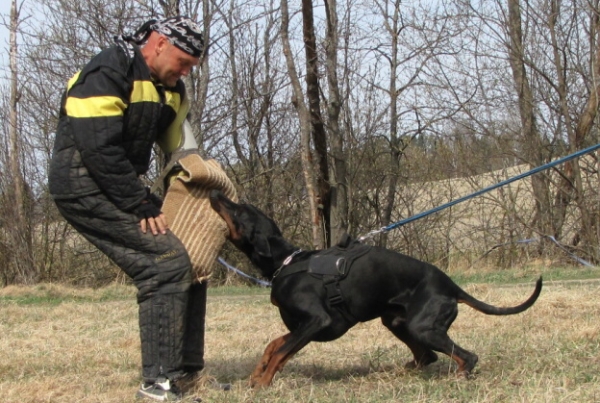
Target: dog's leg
[
  {"x": 280, "y": 351},
  {"x": 422, "y": 355},
  {"x": 272, "y": 347},
  {"x": 466, "y": 360},
  {"x": 278, "y": 359},
  {"x": 430, "y": 328}
]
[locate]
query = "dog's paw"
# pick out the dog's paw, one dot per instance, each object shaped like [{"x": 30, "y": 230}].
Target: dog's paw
[
  {"x": 466, "y": 375},
  {"x": 259, "y": 382}
]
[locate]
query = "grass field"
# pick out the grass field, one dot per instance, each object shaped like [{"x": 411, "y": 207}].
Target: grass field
[{"x": 65, "y": 345}]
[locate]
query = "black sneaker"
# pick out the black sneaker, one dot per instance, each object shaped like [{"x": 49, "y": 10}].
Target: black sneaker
[{"x": 162, "y": 390}]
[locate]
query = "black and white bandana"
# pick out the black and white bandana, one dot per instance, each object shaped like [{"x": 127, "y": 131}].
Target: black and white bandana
[{"x": 181, "y": 32}]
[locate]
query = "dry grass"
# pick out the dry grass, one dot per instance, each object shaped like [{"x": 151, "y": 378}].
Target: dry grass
[{"x": 64, "y": 345}]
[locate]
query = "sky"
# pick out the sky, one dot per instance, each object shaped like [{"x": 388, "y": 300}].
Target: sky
[
  {"x": 5, "y": 34},
  {"x": 5, "y": 12}
]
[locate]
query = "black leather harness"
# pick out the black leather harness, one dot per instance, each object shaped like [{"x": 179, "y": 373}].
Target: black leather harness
[{"x": 331, "y": 266}]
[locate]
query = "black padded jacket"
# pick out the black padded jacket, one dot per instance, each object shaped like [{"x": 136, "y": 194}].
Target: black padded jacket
[{"x": 111, "y": 114}]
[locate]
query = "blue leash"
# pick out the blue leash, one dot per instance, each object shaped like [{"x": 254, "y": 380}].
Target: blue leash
[
  {"x": 550, "y": 237},
  {"x": 480, "y": 192},
  {"x": 452, "y": 203},
  {"x": 241, "y": 273},
  {"x": 263, "y": 283}
]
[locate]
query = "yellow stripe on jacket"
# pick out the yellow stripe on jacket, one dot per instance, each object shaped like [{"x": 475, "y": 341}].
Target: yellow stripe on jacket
[
  {"x": 105, "y": 106},
  {"x": 95, "y": 107}
]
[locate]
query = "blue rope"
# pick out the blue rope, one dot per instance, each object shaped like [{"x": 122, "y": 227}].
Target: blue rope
[
  {"x": 489, "y": 188},
  {"x": 574, "y": 256},
  {"x": 520, "y": 241},
  {"x": 550, "y": 237},
  {"x": 452, "y": 203},
  {"x": 241, "y": 273}
]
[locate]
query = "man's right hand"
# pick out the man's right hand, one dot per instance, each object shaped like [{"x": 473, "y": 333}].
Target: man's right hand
[{"x": 151, "y": 216}]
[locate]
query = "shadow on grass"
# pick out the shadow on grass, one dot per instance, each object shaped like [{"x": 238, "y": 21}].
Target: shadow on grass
[{"x": 239, "y": 369}]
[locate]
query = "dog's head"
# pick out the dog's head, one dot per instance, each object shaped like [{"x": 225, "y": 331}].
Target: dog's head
[{"x": 252, "y": 232}]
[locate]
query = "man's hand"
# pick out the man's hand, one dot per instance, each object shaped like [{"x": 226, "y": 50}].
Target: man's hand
[
  {"x": 154, "y": 198},
  {"x": 151, "y": 216}
]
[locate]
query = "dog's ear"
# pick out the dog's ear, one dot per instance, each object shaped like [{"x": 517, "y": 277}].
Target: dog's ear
[{"x": 261, "y": 245}]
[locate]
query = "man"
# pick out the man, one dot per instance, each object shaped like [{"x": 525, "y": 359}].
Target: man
[{"x": 124, "y": 100}]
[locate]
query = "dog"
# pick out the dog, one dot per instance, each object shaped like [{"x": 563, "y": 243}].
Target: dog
[{"x": 320, "y": 296}]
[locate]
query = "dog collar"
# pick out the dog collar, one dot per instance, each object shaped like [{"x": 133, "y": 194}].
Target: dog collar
[{"x": 287, "y": 261}]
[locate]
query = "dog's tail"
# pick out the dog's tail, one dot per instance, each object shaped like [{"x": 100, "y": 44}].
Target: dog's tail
[{"x": 494, "y": 310}]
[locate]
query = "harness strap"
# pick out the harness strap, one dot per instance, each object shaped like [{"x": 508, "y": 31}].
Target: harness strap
[
  {"x": 332, "y": 286},
  {"x": 285, "y": 263},
  {"x": 330, "y": 282}
]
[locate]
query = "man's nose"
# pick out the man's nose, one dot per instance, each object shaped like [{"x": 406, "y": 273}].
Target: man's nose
[{"x": 184, "y": 72}]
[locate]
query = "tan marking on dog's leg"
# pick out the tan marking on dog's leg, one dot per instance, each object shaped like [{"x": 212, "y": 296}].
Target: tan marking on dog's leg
[
  {"x": 259, "y": 370},
  {"x": 276, "y": 364}
]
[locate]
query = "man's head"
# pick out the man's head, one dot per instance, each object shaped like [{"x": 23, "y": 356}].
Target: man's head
[{"x": 171, "y": 47}]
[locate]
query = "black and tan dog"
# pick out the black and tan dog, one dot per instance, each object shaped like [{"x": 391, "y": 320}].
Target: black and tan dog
[{"x": 320, "y": 295}]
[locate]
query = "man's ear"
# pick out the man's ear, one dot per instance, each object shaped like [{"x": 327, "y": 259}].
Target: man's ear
[
  {"x": 261, "y": 245},
  {"x": 160, "y": 42}
]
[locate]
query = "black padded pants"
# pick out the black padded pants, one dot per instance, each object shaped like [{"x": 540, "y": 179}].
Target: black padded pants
[
  {"x": 193, "y": 341},
  {"x": 159, "y": 267}
]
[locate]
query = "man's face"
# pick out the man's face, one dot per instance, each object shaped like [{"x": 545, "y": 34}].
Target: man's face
[{"x": 172, "y": 63}]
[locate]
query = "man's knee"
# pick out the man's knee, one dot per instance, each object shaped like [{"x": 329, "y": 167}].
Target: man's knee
[
  {"x": 174, "y": 266},
  {"x": 171, "y": 272}
]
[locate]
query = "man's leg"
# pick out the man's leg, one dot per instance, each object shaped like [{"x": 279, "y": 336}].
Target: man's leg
[
  {"x": 193, "y": 341},
  {"x": 160, "y": 269}
]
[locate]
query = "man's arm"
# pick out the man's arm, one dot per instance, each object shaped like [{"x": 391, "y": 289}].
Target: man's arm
[{"x": 96, "y": 108}]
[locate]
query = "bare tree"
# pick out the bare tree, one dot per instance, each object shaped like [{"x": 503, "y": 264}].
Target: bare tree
[
  {"x": 578, "y": 125},
  {"x": 339, "y": 185},
  {"x": 53, "y": 50},
  {"x": 533, "y": 143},
  {"x": 19, "y": 231},
  {"x": 388, "y": 100},
  {"x": 299, "y": 103},
  {"x": 319, "y": 137}
]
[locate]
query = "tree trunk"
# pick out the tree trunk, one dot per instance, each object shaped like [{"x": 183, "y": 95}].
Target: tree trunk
[
  {"x": 533, "y": 145},
  {"x": 201, "y": 87},
  {"x": 339, "y": 188},
  {"x": 570, "y": 184},
  {"x": 395, "y": 142},
  {"x": 305, "y": 129},
  {"x": 21, "y": 249},
  {"x": 316, "y": 120}
]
